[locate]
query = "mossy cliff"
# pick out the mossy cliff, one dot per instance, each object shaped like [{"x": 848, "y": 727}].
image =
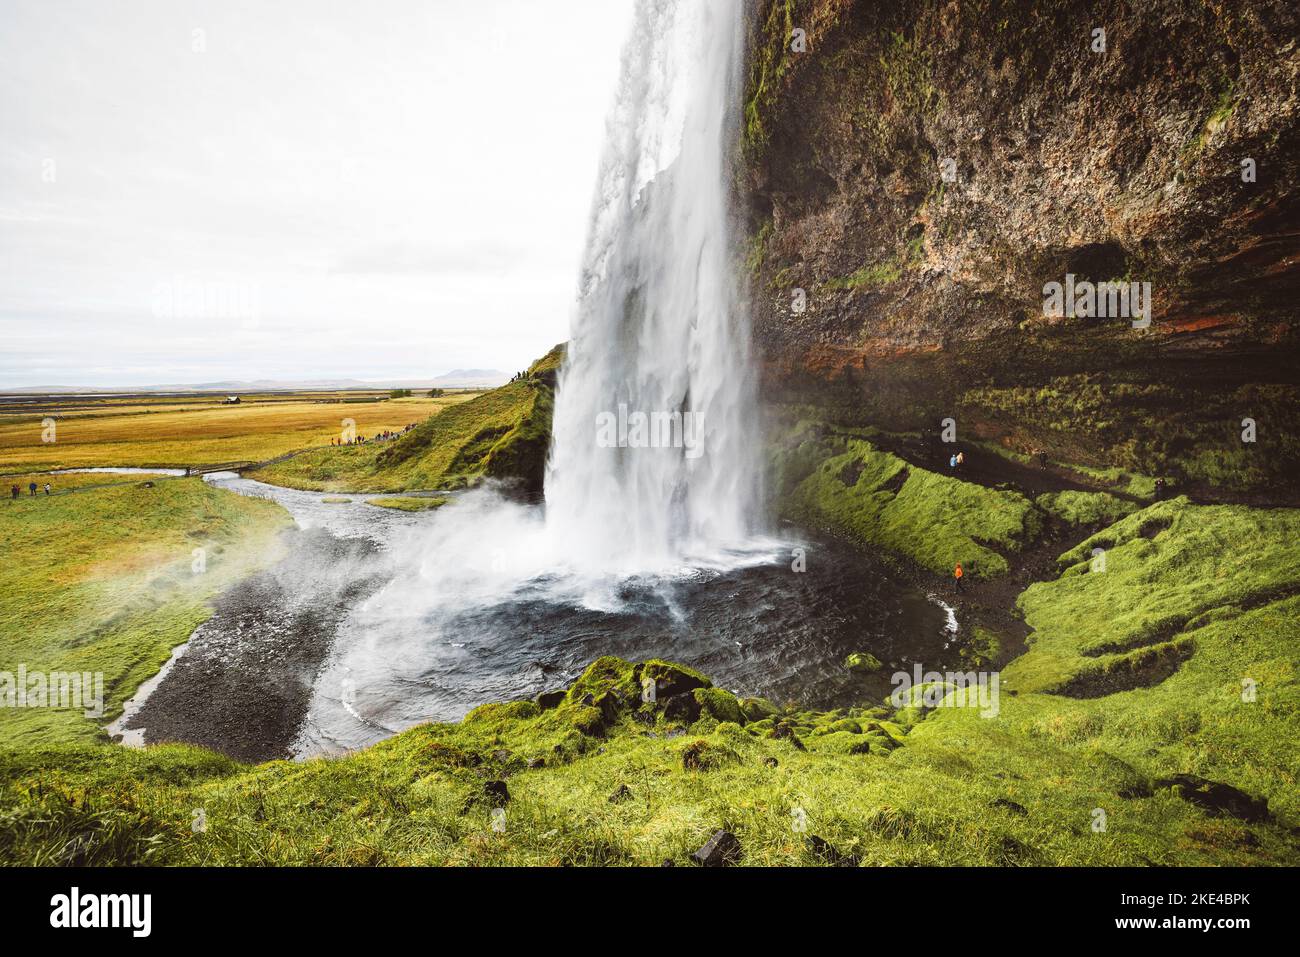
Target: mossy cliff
[{"x": 921, "y": 169}]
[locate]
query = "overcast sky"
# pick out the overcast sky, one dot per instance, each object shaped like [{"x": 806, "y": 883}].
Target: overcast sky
[{"x": 196, "y": 190}]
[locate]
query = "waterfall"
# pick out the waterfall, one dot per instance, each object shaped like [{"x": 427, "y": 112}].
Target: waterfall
[{"x": 654, "y": 459}]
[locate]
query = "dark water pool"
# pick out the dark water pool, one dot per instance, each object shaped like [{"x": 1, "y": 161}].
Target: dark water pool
[{"x": 399, "y": 645}]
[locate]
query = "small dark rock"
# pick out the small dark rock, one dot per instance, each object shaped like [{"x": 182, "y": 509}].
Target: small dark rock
[
  {"x": 825, "y": 852},
  {"x": 535, "y": 763},
  {"x": 682, "y": 707},
  {"x": 693, "y": 756},
  {"x": 502, "y": 755},
  {"x": 498, "y": 792},
  {"x": 1013, "y": 851},
  {"x": 621, "y": 793},
  {"x": 770, "y": 762},
  {"x": 609, "y": 705},
  {"x": 1009, "y": 805},
  {"x": 1217, "y": 799},
  {"x": 860, "y": 747},
  {"x": 784, "y": 730},
  {"x": 720, "y": 850},
  {"x": 550, "y": 699},
  {"x": 668, "y": 863}
]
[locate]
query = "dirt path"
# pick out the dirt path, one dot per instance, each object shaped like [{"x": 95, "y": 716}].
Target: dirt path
[{"x": 991, "y": 603}]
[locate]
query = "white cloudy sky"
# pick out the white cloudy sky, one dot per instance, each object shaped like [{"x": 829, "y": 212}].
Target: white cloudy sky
[{"x": 194, "y": 190}]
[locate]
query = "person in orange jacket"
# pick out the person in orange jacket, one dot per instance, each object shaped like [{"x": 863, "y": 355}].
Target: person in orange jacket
[{"x": 957, "y": 574}]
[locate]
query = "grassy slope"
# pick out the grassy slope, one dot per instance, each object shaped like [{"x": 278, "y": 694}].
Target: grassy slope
[
  {"x": 102, "y": 580},
  {"x": 500, "y": 433},
  {"x": 924, "y": 793},
  {"x": 879, "y": 499},
  {"x": 1086, "y": 509},
  {"x": 930, "y": 789}
]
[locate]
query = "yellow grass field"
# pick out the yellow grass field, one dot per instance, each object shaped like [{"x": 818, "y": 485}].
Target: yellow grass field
[{"x": 197, "y": 430}]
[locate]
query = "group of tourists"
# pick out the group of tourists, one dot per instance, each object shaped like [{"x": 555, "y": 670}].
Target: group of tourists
[
  {"x": 15, "y": 491},
  {"x": 384, "y": 436}
]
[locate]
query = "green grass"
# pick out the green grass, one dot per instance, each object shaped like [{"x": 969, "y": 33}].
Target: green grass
[
  {"x": 104, "y": 581},
  {"x": 1167, "y": 571},
  {"x": 1219, "y": 584},
  {"x": 1126, "y": 483},
  {"x": 876, "y": 498},
  {"x": 1086, "y": 509}
]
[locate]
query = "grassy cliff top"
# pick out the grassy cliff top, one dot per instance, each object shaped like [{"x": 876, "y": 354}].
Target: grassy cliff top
[{"x": 504, "y": 433}]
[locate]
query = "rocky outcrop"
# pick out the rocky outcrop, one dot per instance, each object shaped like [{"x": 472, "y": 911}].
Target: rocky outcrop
[{"x": 917, "y": 171}]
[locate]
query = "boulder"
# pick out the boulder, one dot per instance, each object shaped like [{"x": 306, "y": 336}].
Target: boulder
[
  {"x": 670, "y": 679},
  {"x": 720, "y": 850},
  {"x": 784, "y": 730},
  {"x": 720, "y": 704},
  {"x": 862, "y": 662},
  {"x": 682, "y": 707},
  {"x": 1217, "y": 799},
  {"x": 756, "y": 709},
  {"x": 826, "y": 853},
  {"x": 1009, "y": 805},
  {"x": 547, "y": 700},
  {"x": 621, "y": 793},
  {"x": 693, "y": 756}
]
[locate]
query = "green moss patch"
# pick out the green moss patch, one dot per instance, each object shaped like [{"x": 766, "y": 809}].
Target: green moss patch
[
  {"x": 938, "y": 521},
  {"x": 422, "y": 503}
]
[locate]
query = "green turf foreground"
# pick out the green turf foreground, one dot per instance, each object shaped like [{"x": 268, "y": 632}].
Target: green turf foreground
[{"x": 1154, "y": 719}]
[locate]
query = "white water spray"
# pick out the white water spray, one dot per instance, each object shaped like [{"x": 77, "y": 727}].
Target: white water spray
[{"x": 660, "y": 342}]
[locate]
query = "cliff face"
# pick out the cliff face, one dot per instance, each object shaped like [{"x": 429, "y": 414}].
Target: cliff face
[{"x": 920, "y": 169}]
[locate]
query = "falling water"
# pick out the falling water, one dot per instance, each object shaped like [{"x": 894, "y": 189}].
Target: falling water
[
  {"x": 654, "y": 453},
  {"x": 638, "y": 551}
]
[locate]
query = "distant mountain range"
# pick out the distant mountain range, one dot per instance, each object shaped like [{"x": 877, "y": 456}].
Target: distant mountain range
[{"x": 455, "y": 379}]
